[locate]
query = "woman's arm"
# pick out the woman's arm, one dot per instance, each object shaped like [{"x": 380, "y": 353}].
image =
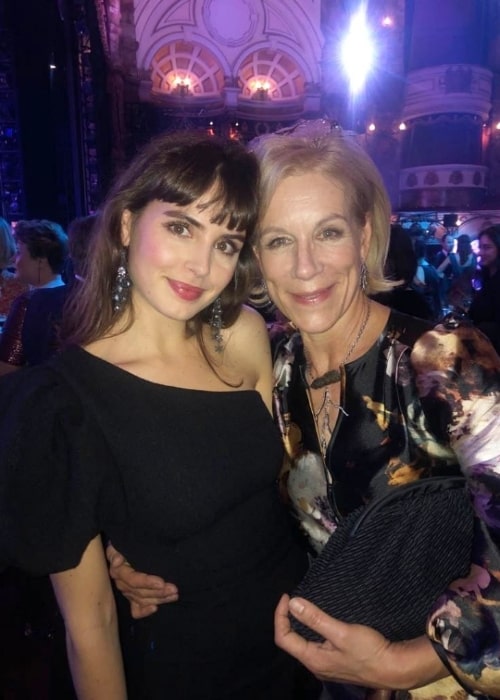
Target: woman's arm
[
  {"x": 86, "y": 602},
  {"x": 458, "y": 378}
]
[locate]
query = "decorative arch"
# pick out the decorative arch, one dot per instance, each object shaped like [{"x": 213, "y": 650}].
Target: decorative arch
[
  {"x": 271, "y": 74},
  {"x": 185, "y": 68}
]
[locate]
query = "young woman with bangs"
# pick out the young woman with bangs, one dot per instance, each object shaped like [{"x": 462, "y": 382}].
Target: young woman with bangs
[{"x": 153, "y": 429}]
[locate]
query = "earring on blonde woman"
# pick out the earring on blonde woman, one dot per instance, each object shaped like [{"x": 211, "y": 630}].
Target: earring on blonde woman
[{"x": 363, "y": 276}]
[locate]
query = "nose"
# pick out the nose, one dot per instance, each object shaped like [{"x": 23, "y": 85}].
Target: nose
[
  {"x": 199, "y": 260},
  {"x": 307, "y": 263}
]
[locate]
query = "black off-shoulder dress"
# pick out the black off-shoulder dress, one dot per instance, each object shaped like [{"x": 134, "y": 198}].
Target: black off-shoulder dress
[{"x": 184, "y": 484}]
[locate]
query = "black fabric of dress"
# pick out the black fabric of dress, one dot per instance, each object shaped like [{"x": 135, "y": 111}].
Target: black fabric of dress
[
  {"x": 184, "y": 484},
  {"x": 485, "y": 308}
]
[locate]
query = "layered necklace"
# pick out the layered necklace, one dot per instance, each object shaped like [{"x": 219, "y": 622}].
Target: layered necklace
[{"x": 322, "y": 415}]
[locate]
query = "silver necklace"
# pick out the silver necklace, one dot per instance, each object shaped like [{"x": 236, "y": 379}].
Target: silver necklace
[
  {"x": 323, "y": 426},
  {"x": 333, "y": 375}
]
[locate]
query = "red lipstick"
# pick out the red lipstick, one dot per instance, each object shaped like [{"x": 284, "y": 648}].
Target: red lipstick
[{"x": 185, "y": 291}]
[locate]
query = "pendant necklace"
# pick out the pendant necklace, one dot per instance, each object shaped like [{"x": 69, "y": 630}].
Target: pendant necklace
[
  {"x": 333, "y": 375},
  {"x": 322, "y": 415},
  {"x": 323, "y": 426}
]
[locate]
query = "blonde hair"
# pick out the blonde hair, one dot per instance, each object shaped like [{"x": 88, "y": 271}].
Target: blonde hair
[{"x": 337, "y": 157}]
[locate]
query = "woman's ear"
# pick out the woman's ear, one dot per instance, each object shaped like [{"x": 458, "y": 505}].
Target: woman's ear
[
  {"x": 126, "y": 224},
  {"x": 366, "y": 237}
]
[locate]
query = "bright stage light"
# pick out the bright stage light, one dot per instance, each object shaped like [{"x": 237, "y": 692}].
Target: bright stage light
[{"x": 357, "y": 51}]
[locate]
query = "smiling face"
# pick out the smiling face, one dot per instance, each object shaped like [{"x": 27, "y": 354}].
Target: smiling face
[
  {"x": 310, "y": 251},
  {"x": 179, "y": 260}
]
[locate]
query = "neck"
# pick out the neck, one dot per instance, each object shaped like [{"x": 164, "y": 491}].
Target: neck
[
  {"x": 151, "y": 332},
  {"x": 325, "y": 356}
]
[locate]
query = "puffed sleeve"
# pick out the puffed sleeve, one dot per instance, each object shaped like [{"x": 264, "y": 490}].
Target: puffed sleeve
[
  {"x": 458, "y": 378},
  {"x": 53, "y": 472}
]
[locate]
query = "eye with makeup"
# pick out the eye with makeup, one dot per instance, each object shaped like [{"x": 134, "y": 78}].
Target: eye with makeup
[
  {"x": 178, "y": 228},
  {"x": 228, "y": 246}
]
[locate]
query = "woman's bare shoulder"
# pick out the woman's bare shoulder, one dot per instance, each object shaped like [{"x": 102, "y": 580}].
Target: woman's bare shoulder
[
  {"x": 248, "y": 351},
  {"x": 249, "y": 333}
]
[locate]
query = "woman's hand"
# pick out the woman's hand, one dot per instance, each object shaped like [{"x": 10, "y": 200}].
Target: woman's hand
[
  {"x": 144, "y": 591},
  {"x": 354, "y": 653}
]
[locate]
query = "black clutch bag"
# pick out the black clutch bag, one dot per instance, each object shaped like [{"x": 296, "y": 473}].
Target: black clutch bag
[{"x": 387, "y": 563}]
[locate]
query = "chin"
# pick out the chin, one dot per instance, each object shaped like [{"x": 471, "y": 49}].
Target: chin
[{"x": 313, "y": 328}]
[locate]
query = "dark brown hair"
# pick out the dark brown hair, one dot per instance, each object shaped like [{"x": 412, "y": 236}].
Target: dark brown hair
[
  {"x": 177, "y": 168},
  {"x": 493, "y": 233},
  {"x": 79, "y": 237}
]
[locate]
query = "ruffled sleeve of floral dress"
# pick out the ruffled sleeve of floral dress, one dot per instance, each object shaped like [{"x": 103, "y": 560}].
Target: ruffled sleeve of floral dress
[
  {"x": 458, "y": 379},
  {"x": 54, "y": 473}
]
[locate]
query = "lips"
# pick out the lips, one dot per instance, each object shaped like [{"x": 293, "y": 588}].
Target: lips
[
  {"x": 312, "y": 298},
  {"x": 185, "y": 291}
]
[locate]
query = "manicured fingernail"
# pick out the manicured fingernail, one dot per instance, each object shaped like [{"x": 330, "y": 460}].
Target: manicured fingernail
[{"x": 296, "y": 606}]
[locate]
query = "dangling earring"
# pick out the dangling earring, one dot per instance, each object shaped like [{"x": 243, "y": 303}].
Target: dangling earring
[
  {"x": 122, "y": 284},
  {"x": 363, "y": 276},
  {"x": 216, "y": 325}
]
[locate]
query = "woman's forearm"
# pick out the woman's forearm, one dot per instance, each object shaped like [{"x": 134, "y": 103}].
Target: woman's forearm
[
  {"x": 96, "y": 664},
  {"x": 86, "y": 600},
  {"x": 413, "y": 664}
]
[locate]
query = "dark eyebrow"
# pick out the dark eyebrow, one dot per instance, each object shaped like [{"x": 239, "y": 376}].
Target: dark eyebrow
[
  {"x": 175, "y": 213},
  {"x": 235, "y": 236}
]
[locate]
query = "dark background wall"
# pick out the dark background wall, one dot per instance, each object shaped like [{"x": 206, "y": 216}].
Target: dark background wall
[{"x": 38, "y": 33}]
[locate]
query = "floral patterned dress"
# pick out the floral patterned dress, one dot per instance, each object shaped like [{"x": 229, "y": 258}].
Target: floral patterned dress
[{"x": 423, "y": 401}]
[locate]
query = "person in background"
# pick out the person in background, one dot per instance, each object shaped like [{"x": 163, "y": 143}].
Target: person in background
[
  {"x": 30, "y": 337},
  {"x": 460, "y": 294},
  {"x": 369, "y": 400},
  {"x": 484, "y": 311},
  {"x": 153, "y": 428},
  {"x": 30, "y": 332},
  {"x": 10, "y": 286},
  {"x": 447, "y": 267},
  {"x": 426, "y": 280},
  {"x": 465, "y": 255},
  {"x": 401, "y": 267}
]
